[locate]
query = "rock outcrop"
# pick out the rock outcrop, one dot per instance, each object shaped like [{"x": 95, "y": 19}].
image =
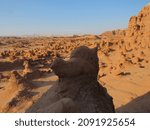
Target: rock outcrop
[
  {"x": 77, "y": 89},
  {"x": 138, "y": 31}
]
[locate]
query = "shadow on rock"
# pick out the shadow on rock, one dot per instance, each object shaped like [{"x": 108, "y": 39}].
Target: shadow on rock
[{"x": 77, "y": 89}]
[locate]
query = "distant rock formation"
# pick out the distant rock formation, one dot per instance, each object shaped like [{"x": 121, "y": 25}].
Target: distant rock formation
[
  {"x": 27, "y": 68},
  {"x": 77, "y": 89}
]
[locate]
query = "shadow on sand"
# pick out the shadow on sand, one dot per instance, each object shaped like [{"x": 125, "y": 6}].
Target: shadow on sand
[
  {"x": 47, "y": 98},
  {"x": 139, "y": 105}
]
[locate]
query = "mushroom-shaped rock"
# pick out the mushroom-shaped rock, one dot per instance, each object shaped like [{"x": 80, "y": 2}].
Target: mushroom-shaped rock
[
  {"x": 27, "y": 67},
  {"x": 77, "y": 86}
]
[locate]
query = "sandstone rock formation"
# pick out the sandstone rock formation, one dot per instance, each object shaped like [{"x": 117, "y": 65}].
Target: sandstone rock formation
[
  {"x": 138, "y": 32},
  {"x": 80, "y": 57},
  {"x": 77, "y": 89},
  {"x": 27, "y": 68}
]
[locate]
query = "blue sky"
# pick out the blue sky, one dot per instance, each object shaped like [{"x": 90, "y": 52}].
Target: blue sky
[{"x": 64, "y": 17}]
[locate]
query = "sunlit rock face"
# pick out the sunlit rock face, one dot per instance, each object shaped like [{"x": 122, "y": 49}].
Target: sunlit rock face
[{"x": 138, "y": 31}]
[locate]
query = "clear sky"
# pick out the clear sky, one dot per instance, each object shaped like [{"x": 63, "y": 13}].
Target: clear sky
[{"x": 63, "y": 17}]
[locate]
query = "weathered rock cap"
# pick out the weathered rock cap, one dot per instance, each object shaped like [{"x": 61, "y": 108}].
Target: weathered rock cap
[{"x": 83, "y": 61}]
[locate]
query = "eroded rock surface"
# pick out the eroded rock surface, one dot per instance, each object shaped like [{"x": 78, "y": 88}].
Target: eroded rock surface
[{"x": 78, "y": 83}]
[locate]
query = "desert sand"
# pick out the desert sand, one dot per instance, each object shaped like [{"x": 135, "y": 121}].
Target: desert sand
[{"x": 31, "y": 66}]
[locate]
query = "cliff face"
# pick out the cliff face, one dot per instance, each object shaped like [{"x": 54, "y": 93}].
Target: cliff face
[
  {"x": 128, "y": 46},
  {"x": 138, "y": 31},
  {"x": 125, "y": 57}
]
